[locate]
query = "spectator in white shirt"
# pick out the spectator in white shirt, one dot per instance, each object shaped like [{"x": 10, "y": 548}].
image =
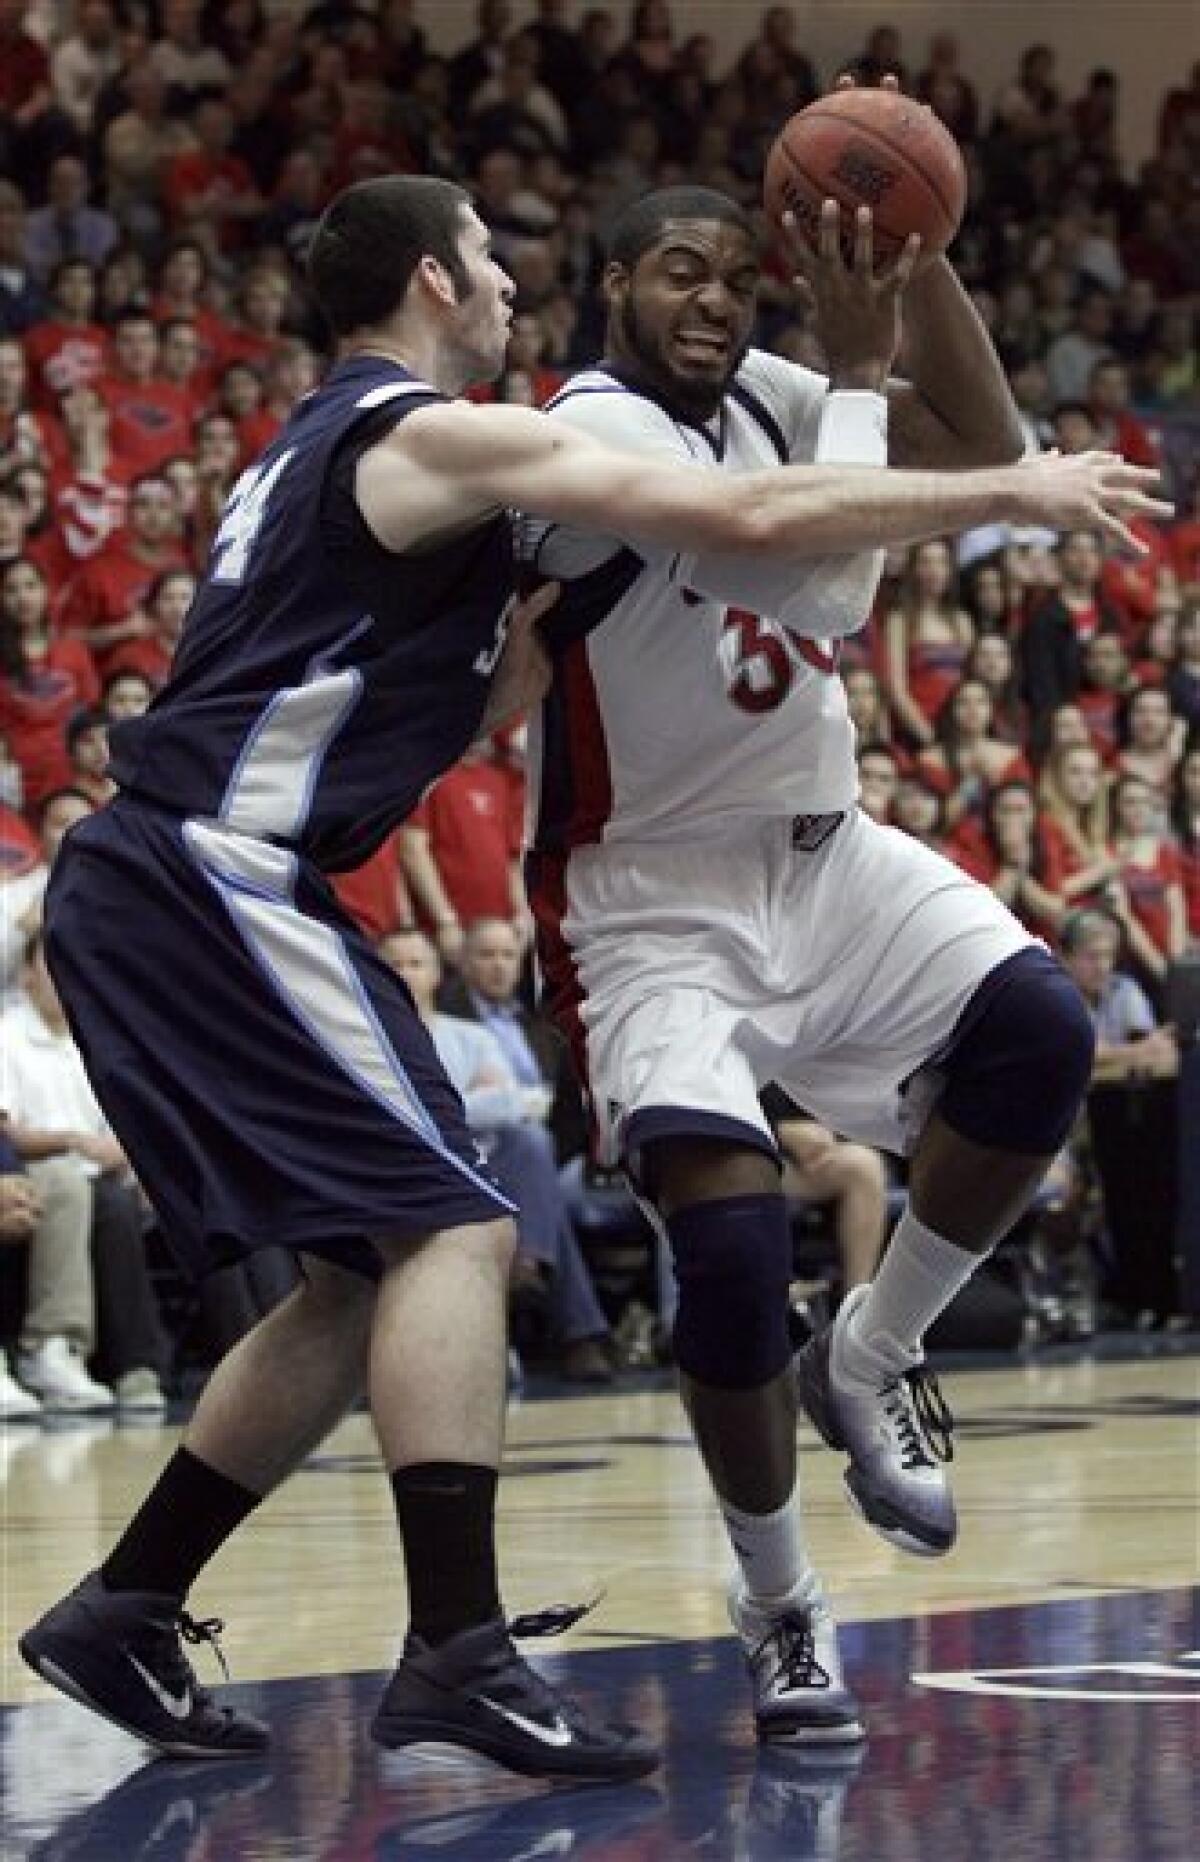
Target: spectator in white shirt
[
  {"x": 506, "y": 1119},
  {"x": 53, "y": 1113}
]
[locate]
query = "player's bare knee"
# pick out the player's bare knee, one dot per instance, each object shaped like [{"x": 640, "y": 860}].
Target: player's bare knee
[
  {"x": 733, "y": 1261},
  {"x": 1017, "y": 1072}
]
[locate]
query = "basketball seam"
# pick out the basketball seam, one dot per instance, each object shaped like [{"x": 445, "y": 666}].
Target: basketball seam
[{"x": 866, "y": 129}]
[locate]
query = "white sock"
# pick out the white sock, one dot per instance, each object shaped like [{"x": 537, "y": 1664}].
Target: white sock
[
  {"x": 771, "y": 1551},
  {"x": 916, "y": 1280}
]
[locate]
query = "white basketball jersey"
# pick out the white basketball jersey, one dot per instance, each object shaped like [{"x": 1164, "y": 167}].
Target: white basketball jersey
[{"x": 691, "y": 693}]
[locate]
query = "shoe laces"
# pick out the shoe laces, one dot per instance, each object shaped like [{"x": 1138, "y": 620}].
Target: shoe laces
[
  {"x": 172, "y": 1664},
  {"x": 792, "y": 1645},
  {"x": 921, "y": 1418}
]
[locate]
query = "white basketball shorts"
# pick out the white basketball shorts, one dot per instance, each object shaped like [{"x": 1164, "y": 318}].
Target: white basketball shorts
[{"x": 712, "y": 969}]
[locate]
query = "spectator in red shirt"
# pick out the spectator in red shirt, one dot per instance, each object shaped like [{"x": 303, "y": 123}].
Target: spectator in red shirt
[
  {"x": 208, "y": 192},
  {"x": 68, "y": 349},
  {"x": 917, "y": 810},
  {"x": 152, "y": 418},
  {"x": 242, "y": 396},
  {"x": 43, "y": 681},
  {"x": 179, "y": 363},
  {"x": 181, "y": 292},
  {"x": 164, "y": 610},
  {"x": 25, "y": 433},
  {"x": 926, "y": 638},
  {"x": 1063, "y": 622},
  {"x": 43, "y": 542},
  {"x": 1132, "y": 585},
  {"x": 87, "y": 748},
  {"x": 1020, "y": 855},
  {"x": 1073, "y": 791},
  {"x": 89, "y": 492},
  {"x": 462, "y": 852},
  {"x": 376, "y": 894},
  {"x": 103, "y": 606},
  {"x": 1118, "y": 428},
  {"x": 1151, "y": 738},
  {"x": 1105, "y": 681},
  {"x": 1147, "y": 896},
  {"x": 257, "y": 331},
  {"x": 1185, "y": 819},
  {"x": 969, "y": 759},
  {"x": 292, "y": 372},
  {"x": 992, "y": 660}
]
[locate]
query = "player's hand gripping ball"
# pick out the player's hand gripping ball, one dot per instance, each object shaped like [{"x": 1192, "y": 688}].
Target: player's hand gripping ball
[{"x": 873, "y": 148}]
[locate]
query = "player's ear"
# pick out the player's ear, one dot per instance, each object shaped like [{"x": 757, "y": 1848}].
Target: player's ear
[
  {"x": 433, "y": 277},
  {"x": 614, "y": 283}
]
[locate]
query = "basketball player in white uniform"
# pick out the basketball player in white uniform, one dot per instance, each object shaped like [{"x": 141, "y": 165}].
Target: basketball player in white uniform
[{"x": 715, "y": 914}]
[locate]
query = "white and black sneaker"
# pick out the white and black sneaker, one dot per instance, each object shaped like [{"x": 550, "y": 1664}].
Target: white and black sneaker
[
  {"x": 121, "y": 1654},
  {"x": 791, "y": 1651},
  {"x": 897, "y": 1437},
  {"x": 476, "y": 1691}
]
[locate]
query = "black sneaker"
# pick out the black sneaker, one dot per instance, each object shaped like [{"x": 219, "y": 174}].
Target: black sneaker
[
  {"x": 476, "y": 1691},
  {"x": 121, "y": 1654}
]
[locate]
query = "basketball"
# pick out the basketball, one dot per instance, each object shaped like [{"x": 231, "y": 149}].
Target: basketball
[{"x": 874, "y": 148}]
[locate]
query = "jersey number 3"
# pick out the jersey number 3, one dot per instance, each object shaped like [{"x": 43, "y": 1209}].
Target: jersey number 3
[
  {"x": 759, "y": 660},
  {"x": 242, "y": 518}
]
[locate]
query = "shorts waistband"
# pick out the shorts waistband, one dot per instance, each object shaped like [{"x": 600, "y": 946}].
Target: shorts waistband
[{"x": 812, "y": 831}]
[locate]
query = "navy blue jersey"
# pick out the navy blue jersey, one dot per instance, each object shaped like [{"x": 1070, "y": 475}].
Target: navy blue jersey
[{"x": 322, "y": 683}]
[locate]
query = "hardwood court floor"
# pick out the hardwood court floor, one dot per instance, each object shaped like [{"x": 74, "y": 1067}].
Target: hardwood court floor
[{"x": 1079, "y": 1492}]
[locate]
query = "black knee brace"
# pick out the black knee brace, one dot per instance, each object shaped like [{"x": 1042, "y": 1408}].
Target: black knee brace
[
  {"x": 1019, "y": 1062},
  {"x": 733, "y": 1262}
]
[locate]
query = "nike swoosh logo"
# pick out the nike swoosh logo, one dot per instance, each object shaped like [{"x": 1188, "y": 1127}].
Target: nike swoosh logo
[
  {"x": 559, "y": 1734},
  {"x": 177, "y": 1705}
]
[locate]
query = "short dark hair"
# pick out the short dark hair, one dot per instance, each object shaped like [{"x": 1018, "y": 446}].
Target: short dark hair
[
  {"x": 642, "y": 224},
  {"x": 1080, "y": 925},
  {"x": 372, "y": 237}
]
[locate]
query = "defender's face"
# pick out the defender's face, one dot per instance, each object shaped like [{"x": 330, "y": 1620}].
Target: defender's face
[
  {"x": 484, "y": 311},
  {"x": 682, "y": 318}
]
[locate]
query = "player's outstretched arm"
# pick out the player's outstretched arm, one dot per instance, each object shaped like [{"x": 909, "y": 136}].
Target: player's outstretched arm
[{"x": 447, "y": 466}]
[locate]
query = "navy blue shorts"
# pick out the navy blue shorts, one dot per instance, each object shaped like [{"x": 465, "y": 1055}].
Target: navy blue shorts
[{"x": 265, "y": 1071}]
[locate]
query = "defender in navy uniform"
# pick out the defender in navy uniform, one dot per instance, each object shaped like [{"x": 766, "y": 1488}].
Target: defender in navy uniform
[{"x": 266, "y": 1073}]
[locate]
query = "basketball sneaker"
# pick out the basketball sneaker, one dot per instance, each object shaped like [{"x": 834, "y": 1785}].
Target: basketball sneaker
[
  {"x": 795, "y": 1669},
  {"x": 477, "y": 1691},
  {"x": 121, "y": 1654},
  {"x": 896, "y": 1435}
]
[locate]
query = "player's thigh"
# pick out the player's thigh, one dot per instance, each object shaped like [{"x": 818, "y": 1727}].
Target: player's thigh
[
  {"x": 900, "y": 940},
  {"x": 670, "y": 1066}
]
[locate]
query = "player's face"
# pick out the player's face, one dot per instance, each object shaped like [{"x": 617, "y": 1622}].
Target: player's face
[
  {"x": 483, "y": 313},
  {"x": 681, "y": 320}
]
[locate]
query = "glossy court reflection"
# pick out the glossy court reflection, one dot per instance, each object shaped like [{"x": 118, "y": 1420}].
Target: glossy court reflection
[{"x": 1057, "y": 1731}]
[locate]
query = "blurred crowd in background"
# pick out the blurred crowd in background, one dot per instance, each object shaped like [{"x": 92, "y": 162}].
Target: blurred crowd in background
[{"x": 1027, "y": 702}]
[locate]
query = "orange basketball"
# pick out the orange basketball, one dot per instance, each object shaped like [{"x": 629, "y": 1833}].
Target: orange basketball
[{"x": 875, "y": 148}]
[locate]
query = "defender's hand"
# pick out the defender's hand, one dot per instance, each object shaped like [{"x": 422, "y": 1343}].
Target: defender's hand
[{"x": 1089, "y": 491}]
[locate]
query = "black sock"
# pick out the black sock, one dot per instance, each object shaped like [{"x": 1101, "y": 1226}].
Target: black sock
[
  {"x": 446, "y": 1511},
  {"x": 184, "y": 1519}
]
